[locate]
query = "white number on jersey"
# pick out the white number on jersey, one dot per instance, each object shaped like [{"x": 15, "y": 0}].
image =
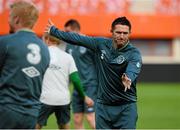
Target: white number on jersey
[{"x": 34, "y": 56}]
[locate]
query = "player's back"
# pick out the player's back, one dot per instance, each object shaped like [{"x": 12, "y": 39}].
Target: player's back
[
  {"x": 84, "y": 59},
  {"x": 26, "y": 59},
  {"x": 56, "y": 79}
]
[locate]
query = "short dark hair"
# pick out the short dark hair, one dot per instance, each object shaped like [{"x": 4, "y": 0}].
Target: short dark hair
[
  {"x": 122, "y": 21},
  {"x": 73, "y": 23}
]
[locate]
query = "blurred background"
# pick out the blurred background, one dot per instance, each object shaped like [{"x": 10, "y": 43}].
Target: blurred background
[{"x": 155, "y": 31}]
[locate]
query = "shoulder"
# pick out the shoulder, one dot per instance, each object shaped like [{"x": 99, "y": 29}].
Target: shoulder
[
  {"x": 58, "y": 51},
  {"x": 70, "y": 46},
  {"x": 67, "y": 58},
  {"x": 104, "y": 42},
  {"x": 133, "y": 49},
  {"x": 103, "y": 39},
  {"x": 67, "y": 55},
  {"x": 6, "y": 40},
  {"x": 134, "y": 52}
]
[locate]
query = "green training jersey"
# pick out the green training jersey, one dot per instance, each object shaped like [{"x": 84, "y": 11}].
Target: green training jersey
[
  {"x": 23, "y": 62},
  {"x": 84, "y": 59},
  {"x": 111, "y": 65}
]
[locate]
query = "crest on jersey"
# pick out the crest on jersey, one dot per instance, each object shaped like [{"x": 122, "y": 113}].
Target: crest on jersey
[
  {"x": 138, "y": 65},
  {"x": 120, "y": 59},
  {"x": 82, "y": 50}
]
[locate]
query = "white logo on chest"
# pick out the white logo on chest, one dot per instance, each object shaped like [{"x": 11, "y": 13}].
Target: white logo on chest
[
  {"x": 138, "y": 65},
  {"x": 120, "y": 59},
  {"x": 82, "y": 50}
]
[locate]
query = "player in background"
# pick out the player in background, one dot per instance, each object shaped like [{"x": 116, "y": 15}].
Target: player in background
[
  {"x": 55, "y": 96},
  {"x": 118, "y": 66},
  {"x": 84, "y": 59},
  {"x": 24, "y": 59}
]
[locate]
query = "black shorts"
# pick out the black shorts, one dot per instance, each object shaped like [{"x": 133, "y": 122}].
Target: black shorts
[{"x": 62, "y": 114}]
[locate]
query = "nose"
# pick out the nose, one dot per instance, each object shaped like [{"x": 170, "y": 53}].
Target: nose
[{"x": 121, "y": 34}]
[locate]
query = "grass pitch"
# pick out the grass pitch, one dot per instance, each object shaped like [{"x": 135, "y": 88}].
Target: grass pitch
[{"x": 158, "y": 107}]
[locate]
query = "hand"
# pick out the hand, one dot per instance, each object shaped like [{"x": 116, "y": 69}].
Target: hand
[
  {"x": 48, "y": 26},
  {"x": 89, "y": 101},
  {"x": 126, "y": 82}
]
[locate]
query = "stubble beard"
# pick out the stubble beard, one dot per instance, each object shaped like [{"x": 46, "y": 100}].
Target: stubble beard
[{"x": 120, "y": 44}]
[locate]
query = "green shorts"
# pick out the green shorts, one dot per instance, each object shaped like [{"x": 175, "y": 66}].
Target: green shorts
[
  {"x": 116, "y": 117},
  {"x": 78, "y": 104},
  {"x": 62, "y": 114}
]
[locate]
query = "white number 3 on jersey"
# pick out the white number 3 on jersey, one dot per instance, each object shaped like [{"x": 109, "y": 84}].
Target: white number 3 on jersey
[{"x": 34, "y": 56}]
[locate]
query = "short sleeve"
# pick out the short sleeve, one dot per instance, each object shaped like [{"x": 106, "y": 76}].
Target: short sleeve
[{"x": 72, "y": 65}]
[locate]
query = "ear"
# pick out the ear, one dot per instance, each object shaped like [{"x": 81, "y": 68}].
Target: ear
[
  {"x": 111, "y": 30},
  {"x": 16, "y": 20}
]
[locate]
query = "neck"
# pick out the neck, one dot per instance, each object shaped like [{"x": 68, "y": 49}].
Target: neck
[
  {"x": 50, "y": 43},
  {"x": 24, "y": 29},
  {"x": 116, "y": 46}
]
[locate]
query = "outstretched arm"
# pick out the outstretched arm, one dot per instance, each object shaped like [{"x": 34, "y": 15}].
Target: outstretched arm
[
  {"x": 74, "y": 77},
  {"x": 73, "y": 38}
]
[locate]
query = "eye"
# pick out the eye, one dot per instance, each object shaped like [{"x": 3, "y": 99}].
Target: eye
[{"x": 125, "y": 33}]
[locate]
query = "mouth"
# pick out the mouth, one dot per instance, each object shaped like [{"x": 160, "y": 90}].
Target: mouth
[{"x": 120, "y": 40}]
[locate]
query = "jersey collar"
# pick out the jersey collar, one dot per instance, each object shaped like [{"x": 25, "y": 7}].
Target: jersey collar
[
  {"x": 123, "y": 46},
  {"x": 119, "y": 48},
  {"x": 25, "y": 30}
]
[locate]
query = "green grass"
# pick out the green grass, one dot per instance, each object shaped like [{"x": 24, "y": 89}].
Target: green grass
[{"x": 158, "y": 107}]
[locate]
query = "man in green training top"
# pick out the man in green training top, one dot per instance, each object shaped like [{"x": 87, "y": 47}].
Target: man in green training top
[
  {"x": 118, "y": 65},
  {"x": 24, "y": 59},
  {"x": 84, "y": 59}
]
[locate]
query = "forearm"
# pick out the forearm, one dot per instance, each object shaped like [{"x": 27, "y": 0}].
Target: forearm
[
  {"x": 132, "y": 73},
  {"x": 134, "y": 66},
  {"x": 74, "y": 77}
]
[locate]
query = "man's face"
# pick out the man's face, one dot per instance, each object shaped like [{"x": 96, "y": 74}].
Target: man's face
[{"x": 120, "y": 35}]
